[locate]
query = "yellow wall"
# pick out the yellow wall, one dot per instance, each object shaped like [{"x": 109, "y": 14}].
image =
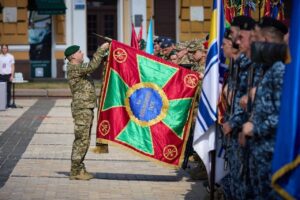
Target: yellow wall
[
  {"x": 126, "y": 20},
  {"x": 60, "y": 28},
  {"x": 17, "y": 33},
  {"x": 188, "y": 29},
  {"x": 14, "y": 33}
]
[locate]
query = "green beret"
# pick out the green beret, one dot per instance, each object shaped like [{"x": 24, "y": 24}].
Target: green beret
[{"x": 71, "y": 50}]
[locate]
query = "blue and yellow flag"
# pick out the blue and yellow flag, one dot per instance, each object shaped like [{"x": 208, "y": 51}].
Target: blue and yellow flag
[
  {"x": 204, "y": 133},
  {"x": 286, "y": 161}
]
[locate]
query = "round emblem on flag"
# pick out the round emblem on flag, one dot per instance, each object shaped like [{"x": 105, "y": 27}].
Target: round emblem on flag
[
  {"x": 170, "y": 152},
  {"x": 104, "y": 127},
  {"x": 191, "y": 80},
  {"x": 120, "y": 55},
  {"x": 146, "y": 104}
]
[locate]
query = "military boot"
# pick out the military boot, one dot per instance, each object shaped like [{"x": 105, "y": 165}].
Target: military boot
[
  {"x": 88, "y": 173},
  {"x": 198, "y": 172},
  {"x": 83, "y": 175}
]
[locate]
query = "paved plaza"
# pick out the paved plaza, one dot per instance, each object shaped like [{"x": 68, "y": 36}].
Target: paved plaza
[{"x": 35, "y": 149}]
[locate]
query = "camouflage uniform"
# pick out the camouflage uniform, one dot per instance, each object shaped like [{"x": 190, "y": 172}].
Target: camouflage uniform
[
  {"x": 235, "y": 153},
  {"x": 185, "y": 59},
  {"x": 168, "y": 57},
  {"x": 265, "y": 115},
  {"x": 199, "y": 172},
  {"x": 192, "y": 48},
  {"x": 83, "y": 103}
]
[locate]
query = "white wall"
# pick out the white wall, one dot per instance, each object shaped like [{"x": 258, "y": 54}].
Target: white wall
[
  {"x": 138, "y": 7},
  {"x": 76, "y": 28}
]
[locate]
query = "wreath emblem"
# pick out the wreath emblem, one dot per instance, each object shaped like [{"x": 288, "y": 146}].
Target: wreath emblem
[
  {"x": 191, "y": 80},
  {"x": 170, "y": 152},
  {"x": 104, "y": 127},
  {"x": 120, "y": 55}
]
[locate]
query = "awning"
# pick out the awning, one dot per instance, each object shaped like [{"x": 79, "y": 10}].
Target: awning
[{"x": 47, "y": 7}]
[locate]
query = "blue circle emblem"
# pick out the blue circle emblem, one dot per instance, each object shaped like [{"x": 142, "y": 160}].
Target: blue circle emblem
[{"x": 146, "y": 104}]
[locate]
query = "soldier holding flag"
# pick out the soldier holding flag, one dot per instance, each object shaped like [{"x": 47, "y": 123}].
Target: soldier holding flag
[{"x": 83, "y": 103}]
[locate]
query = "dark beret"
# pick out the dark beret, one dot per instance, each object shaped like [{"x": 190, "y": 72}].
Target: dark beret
[
  {"x": 71, "y": 50},
  {"x": 166, "y": 43},
  {"x": 236, "y": 21},
  {"x": 159, "y": 39},
  {"x": 243, "y": 22},
  {"x": 271, "y": 22}
]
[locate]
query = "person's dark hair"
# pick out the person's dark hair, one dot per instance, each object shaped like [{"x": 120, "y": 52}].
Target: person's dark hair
[
  {"x": 273, "y": 33},
  {"x": 4, "y": 45},
  {"x": 268, "y": 53}
]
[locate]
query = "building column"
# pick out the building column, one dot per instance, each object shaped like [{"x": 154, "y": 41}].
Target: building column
[
  {"x": 76, "y": 27},
  {"x": 138, "y": 9},
  {"x": 53, "y": 49}
]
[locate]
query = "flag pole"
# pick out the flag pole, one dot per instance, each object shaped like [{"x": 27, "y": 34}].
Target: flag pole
[
  {"x": 103, "y": 37},
  {"x": 259, "y": 10},
  {"x": 212, "y": 174},
  {"x": 213, "y": 165},
  {"x": 100, "y": 146}
]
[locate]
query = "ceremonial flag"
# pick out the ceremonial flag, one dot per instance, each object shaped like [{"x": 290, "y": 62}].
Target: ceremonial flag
[
  {"x": 134, "y": 39},
  {"x": 149, "y": 46},
  {"x": 205, "y": 132},
  {"x": 140, "y": 36},
  {"x": 286, "y": 160},
  {"x": 146, "y": 104}
]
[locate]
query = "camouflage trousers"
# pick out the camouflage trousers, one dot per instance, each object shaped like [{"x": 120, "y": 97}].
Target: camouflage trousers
[
  {"x": 239, "y": 188},
  {"x": 260, "y": 170},
  {"x": 83, "y": 119}
]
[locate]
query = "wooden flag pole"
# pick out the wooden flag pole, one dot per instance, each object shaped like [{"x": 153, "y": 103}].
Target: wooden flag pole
[{"x": 103, "y": 37}]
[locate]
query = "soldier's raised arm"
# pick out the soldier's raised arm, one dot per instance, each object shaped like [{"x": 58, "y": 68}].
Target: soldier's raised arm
[
  {"x": 98, "y": 56},
  {"x": 76, "y": 66}
]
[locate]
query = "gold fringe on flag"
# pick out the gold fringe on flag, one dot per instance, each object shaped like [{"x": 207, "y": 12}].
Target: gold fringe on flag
[{"x": 100, "y": 148}]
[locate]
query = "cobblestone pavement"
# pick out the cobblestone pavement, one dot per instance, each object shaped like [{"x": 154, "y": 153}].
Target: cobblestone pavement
[{"x": 35, "y": 149}]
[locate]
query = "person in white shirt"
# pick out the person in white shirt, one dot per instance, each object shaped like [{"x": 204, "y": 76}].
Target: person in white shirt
[{"x": 7, "y": 70}]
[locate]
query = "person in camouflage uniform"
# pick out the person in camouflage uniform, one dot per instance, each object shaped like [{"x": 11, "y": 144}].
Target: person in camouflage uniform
[
  {"x": 261, "y": 127},
  {"x": 174, "y": 58},
  {"x": 182, "y": 53},
  {"x": 156, "y": 45},
  {"x": 237, "y": 155},
  {"x": 167, "y": 48},
  {"x": 198, "y": 54},
  {"x": 196, "y": 48},
  {"x": 83, "y": 103},
  {"x": 231, "y": 54}
]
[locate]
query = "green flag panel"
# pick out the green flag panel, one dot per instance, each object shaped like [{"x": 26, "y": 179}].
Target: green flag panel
[
  {"x": 154, "y": 72},
  {"x": 178, "y": 110},
  {"x": 137, "y": 137},
  {"x": 116, "y": 92}
]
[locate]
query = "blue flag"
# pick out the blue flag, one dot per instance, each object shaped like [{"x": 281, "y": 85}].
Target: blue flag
[
  {"x": 149, "y": 46},
  {"x": 286, "y": 160}
]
